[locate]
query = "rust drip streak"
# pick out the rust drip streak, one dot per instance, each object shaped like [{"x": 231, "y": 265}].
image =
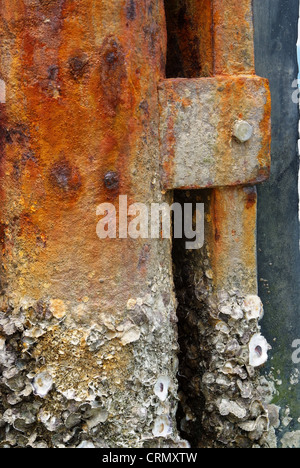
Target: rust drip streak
[{"x": 213, "y": 36}]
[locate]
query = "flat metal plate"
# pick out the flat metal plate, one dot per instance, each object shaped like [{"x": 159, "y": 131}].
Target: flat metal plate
[{"x": 197, "y": 118}]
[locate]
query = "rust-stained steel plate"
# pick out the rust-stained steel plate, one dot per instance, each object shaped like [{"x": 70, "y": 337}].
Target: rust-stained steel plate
[{"x": 197, "y": 117}]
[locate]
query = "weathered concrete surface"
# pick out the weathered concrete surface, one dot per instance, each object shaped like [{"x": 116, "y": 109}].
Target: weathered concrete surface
[
  {"x": 87, "y": 326},
  {"x": 197, "y": 120},
  {"x": 276, "y": 30}
]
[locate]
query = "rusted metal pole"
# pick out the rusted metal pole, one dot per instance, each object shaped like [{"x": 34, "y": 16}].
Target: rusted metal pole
[
  {"x": 224, "y": 401},
  {"x": 87, "y": 326},
  {"x": 234, "y": 253}
]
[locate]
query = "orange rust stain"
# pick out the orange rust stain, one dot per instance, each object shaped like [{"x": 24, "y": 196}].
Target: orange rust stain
[
  {"x": 265, "y": 131},
  {"x": 168, "y": 150},
  {"x": 77, "y": 90},
  {"x": 3, "y": 138},
  {"x": 251, "y": 198},
  {"x": 233, "y": 37},
  {"x": 224, "y": 132},
  {"x": 234, "y": 91},
  {"x": 233, "y": 236}
]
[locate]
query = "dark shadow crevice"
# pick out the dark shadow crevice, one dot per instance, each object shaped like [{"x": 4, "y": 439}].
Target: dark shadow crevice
[
  {"x": 192, "y": 402},
  {"x": 190, "y": 43},
  {"x": 189, "y": 55}
]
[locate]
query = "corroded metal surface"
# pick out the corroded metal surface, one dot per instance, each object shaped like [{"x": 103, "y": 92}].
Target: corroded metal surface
[
  {"x": 209, "y": 37},
  {"x": 88, "y": 348},
  {"x": 80, "y": 90},
  {"x": 224, "y": 400},
  {"x": 232, "y": 35},
  {"x": 87, "y": 326},
  {"x": 231, "y": 238},
  {"x": 190, "y": 39},
  {"x": 197, "y": 119}
]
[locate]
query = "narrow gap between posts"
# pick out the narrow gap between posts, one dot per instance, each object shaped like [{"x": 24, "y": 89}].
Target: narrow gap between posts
[{"x": 186, "y": 264}]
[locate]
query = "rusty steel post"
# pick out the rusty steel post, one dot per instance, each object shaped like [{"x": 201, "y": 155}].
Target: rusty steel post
[
  {"x": 224, "y": 401},
  {"x": 87, "y": 326},
  {"x": 88, "y": 336},
  {"x": 233, "y": 211}
]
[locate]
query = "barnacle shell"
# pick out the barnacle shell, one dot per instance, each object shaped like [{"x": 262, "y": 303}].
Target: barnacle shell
[
  {"x": 2, "y": 344},
  {"x": 162, "y": 427},
  {"x": 253, "y": 308},
  {"x": 227, "y": 407},
  {"x": 42, "y": 384},
  {"x": 57, "y": 308},
  {"x": 86, "y": 445},
  {"x": 97, "y": 416},
  {"x": 131, "y": 335},
  {"x": 50, "y": 422},
  {"x": 258, "y": 350},
  {"x": 161, "y": 388}
]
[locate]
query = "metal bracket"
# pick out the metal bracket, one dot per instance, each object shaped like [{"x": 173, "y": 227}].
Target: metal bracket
[{"x": 214, "y": 132}]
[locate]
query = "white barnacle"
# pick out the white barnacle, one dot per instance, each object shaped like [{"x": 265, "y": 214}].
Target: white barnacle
[
  {"x": 227, "y": 407},
  {"x": 161, "y": 388},
  {"x": 222, "y": 327},
  {"x": 86, "y": 445},
  {"x": 237, "y": 313},
  {"x": 225, "y": 309},
  {"x": 131, "y": 335},
  {"x": 258, "y": 350},
  {"x": 2, "y": 344},
  {"x": 42, "y": 384},
  {"x": 184, "y": 444},
  {"x": 162, "y": 427},
  {"x": 50, "y": 422},
  {"x": 253, "y": 308},
  {"x": 97, "y": 416}
]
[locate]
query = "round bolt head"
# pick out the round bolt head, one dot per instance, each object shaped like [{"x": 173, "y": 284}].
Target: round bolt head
[{"x": 242, "y": 130}]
